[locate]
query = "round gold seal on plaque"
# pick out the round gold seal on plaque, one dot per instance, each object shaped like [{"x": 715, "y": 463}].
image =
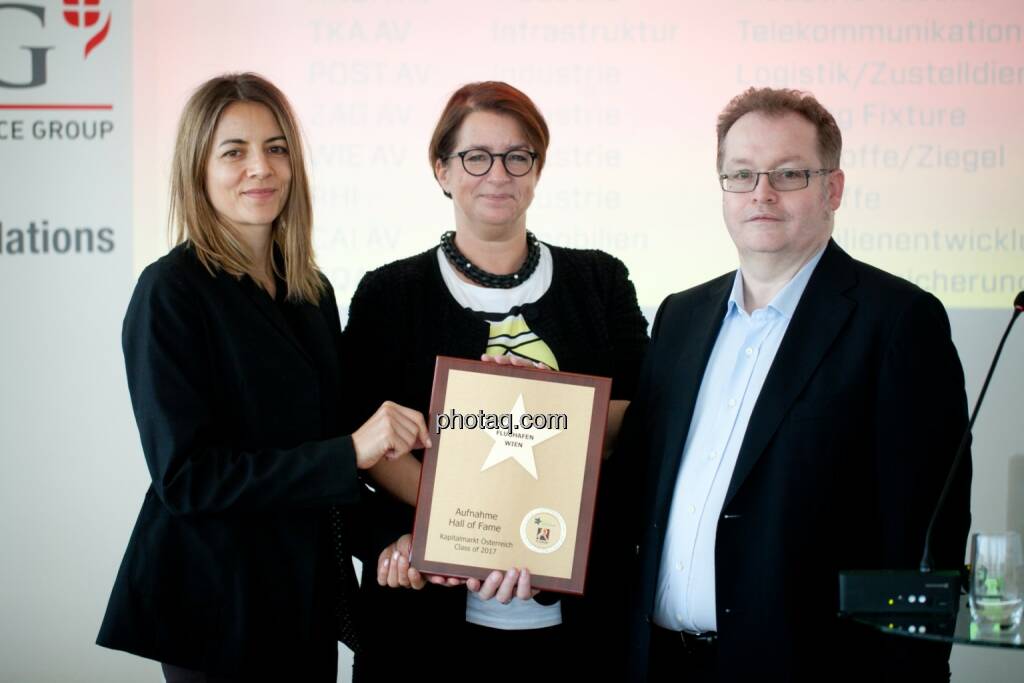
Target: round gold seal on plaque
[{"x": 542, "y": 530}]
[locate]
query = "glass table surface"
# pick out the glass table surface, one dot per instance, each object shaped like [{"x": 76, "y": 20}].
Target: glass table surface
[{"x": 958, "y": 628}]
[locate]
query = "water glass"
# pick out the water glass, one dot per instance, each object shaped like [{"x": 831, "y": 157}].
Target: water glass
[{"x": 996, "y": 595}]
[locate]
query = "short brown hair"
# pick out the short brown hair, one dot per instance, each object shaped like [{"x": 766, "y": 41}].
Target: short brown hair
[
  {"x": 192, "y": 215},
  {"x": 775, "y": 102},
  {"x": 492, "y": 96}
]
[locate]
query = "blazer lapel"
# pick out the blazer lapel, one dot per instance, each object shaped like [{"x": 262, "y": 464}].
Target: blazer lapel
[
  {"x": 819, "y": 317},
  {"x": 265, "y": 305},
  {"x": 683, "y": 383}
]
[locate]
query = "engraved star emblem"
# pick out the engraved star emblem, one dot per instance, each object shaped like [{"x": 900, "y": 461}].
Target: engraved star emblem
[{"x": 517, "y": 444}]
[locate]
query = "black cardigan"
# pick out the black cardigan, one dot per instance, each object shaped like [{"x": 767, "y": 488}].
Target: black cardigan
[
  {"x": 402, "y": 316},
  {"x": 239, "y": 403}
]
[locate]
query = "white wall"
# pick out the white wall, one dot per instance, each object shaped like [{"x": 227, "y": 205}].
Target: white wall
[{"x": 997, "y": 437}]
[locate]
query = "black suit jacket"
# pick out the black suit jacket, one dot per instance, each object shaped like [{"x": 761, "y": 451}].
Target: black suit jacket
[
  {"x": 238, "y": 400},
  {"x": 842, "y": 462}
]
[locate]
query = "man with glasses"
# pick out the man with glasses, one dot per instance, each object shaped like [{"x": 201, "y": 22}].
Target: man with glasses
[{"x": 794, "y": 418}]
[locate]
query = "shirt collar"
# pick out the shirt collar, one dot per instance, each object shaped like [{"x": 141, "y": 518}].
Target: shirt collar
[{"x": 786, "y": 300}]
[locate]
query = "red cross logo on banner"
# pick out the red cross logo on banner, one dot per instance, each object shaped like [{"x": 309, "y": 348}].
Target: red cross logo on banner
[{"x": 83, "y": 14}]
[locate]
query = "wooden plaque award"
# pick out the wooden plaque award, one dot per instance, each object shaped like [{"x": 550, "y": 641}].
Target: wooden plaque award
[{"x": 511, "y": 480}]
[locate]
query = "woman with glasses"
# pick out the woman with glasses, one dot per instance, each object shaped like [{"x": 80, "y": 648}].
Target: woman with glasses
[
  {"x": 238, "y": 568},
  {"x": 489, "y": 287}
]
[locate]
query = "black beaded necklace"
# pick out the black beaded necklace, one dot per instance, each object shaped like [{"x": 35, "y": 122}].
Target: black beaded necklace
[{"x": 482, "y": 277}]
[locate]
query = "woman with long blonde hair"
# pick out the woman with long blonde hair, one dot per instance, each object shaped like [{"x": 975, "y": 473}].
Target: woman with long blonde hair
[{"x": 239, "y": 564}]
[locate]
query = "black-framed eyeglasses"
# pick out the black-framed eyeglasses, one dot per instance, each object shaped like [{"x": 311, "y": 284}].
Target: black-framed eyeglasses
[
  {"x": 782, "y": 179},
  {"x": 478, "y": 162}
]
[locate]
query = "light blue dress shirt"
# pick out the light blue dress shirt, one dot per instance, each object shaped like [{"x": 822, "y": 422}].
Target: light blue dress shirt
[{"x": 739, "y": 363}]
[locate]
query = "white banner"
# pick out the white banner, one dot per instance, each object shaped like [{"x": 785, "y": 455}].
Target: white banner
[{"x": 70, "y": 472}]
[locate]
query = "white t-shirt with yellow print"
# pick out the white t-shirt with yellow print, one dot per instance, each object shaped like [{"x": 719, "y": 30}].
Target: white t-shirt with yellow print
[{"x": 509, "y": 335}]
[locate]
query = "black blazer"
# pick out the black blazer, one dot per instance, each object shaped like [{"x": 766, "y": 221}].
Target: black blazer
[
  {"x": 843, "y": 459},
  {"x": 238, "y": 399}
]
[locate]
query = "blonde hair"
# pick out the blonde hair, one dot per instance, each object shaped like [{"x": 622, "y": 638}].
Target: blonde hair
[{"x": 192, "y": 216}]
